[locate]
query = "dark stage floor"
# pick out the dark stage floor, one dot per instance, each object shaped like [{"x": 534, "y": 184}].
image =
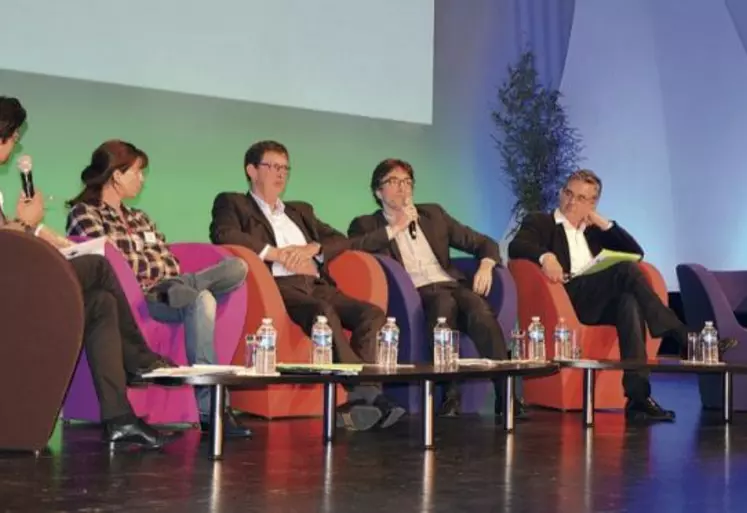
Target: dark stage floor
[{"x": 548, "y": 465}]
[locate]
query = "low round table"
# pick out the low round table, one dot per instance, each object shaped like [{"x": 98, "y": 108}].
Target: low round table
[{"x": 590, "y": 367}]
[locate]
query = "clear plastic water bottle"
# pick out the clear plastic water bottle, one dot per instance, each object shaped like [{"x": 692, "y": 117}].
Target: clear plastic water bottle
[
  {"x": 442, "y": 352},
  {"x": 536, "y": 336},
  {"x": 386, "y": 355},
  {"x": 562, "y": 339},
  {"x": 267, "y": 337},
  {"x": 321, "y": 339},
  {"x": 709, "y": 343}
]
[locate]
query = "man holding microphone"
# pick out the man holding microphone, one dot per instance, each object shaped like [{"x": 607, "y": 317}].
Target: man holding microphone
[{"x": 419, "y": 238}]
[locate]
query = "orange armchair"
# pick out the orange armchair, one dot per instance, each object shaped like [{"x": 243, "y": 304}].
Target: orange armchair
[
  {"x": 537, "y": 296},
  {"x": 357, "y": 274}
]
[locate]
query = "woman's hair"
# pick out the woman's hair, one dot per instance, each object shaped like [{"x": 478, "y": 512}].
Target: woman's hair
[
  {"x": 12, "y": 116},
  {"x": 111, "y": 156}
]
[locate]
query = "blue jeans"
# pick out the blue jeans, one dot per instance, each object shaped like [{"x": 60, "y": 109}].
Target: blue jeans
[{"x": 199, "y": 317}]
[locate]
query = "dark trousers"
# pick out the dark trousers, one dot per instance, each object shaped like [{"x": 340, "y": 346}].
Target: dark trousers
[
  {"x": 306, "y": 297},
  {"x": 620, "y": 296},
  {"x": 112, "y": 340},
  {"x": 469, "y": 313}
]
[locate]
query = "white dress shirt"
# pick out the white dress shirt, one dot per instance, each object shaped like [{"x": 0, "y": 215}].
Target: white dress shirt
[
  {"x": 286, "y": 232},
  {"x": 578, "y": 247},
  {"x": 418, "y": 258}
]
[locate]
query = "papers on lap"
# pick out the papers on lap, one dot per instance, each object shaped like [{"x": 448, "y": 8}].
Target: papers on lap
[
  {"x": 606, "y": 259},
  {"x": 89, "y": 247}
]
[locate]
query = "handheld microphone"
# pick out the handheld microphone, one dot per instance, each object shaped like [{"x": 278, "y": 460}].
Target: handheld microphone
[
  {"x": 411, "y": 227},
  {"x": 27, "y": 180}
]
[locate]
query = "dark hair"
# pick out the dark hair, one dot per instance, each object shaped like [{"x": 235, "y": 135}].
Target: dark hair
[
  {"x": 384, "y": 168},
  {"x": 586, "y": 176},
  {"x": 113, "y": 155},
  {"x": 256, "y": 152},
  {"x": 12, "y": 116}
]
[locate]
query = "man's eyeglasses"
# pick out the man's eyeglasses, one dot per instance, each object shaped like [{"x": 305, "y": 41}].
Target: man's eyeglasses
[
  {"x": 279, "y": 168},
  {"x": 396, "y": 182},
  {"x": 569, "y": 195}
]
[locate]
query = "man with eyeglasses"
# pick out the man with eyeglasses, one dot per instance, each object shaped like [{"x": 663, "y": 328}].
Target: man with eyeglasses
[
  {"x": 563, "y": 242},
  {"x": 419, "y": 237},
  {"x": 297, "y": 248}
]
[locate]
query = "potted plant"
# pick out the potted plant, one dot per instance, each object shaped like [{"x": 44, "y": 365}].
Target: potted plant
[{"x": 538, "y": 146}]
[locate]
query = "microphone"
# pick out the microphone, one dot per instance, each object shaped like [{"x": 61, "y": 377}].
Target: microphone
[
  {"x": 411, "y": 227},
  {"x": 27, "y": 181}
]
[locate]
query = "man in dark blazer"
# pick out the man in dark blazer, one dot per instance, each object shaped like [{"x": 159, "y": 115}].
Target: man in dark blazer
[
  {"x": 298, "y": 248},
  {"x": 419, "y": 238},
  {"x": 563, "y": 242}
]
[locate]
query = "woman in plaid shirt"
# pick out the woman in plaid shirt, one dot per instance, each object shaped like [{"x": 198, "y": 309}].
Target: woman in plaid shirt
[{"x": 114, "y": 174}]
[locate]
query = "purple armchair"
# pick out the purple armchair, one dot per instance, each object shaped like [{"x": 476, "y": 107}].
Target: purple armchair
[
  {"x": 718, "y": 296},
  {"x": 160, "y": 405},
  {"x": 415, "y": 342}
]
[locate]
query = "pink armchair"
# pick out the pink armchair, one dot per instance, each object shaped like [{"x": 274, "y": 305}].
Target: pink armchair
[{"x": 160, "y": 405}]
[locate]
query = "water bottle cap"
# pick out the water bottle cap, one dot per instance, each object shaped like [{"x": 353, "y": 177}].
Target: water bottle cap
[
  {"x": 561, "y": 319},
  {"x": 321, "y": 318},
  {"x": 391, "y": 319},
  {"x": 266, "y": 320},
  {"x": 441, "y": 319},
  {"x": 535, "y": 318},
  {"x": 709, "y": 324}
]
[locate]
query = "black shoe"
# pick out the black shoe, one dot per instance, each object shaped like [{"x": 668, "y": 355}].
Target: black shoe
[
  {"x": 357, "y": 416},
  {"x": 391, "y": 412},
  {"x": 231, "y": 426},
  {"x": 647, "y": 410},
  {"x": 134, "y": 431},
  {"x": 726, "y": 344},
  {"x": 520, "y": 409}
]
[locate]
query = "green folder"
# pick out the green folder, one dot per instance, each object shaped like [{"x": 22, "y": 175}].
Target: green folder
[{"x": 606, "y": 259}]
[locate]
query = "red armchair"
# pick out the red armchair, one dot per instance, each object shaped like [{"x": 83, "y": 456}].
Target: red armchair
[
  {"x": 357, "y": 274},
  {"x": 537, "y": 296}
]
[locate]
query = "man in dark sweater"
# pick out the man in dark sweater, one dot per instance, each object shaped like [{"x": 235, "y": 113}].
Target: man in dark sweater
[{"x": 563, "y": 243}]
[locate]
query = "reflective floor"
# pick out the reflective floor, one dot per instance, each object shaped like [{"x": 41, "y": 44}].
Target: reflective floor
[{"x": 549, "y": 465}]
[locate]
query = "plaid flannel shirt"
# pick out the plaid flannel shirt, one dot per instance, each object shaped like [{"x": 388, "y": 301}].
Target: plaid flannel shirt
[{"x": 136, "y": 236}]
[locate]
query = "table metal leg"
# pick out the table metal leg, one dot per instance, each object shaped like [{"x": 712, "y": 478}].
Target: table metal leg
[
  {"x": 217, "y": 405},
  {"x": 428, "y": 414},
  {"x": 728, "y": 398},
  {"x": 330, "y": 404},
  {"x": 589, "y": 377},
  {"x": 508, "y": 404}
]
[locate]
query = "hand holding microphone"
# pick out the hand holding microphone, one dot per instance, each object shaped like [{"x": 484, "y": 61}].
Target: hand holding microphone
[
  {"x": 405, "y": 219},
  {"x": 27, "y": 181},
  {"x": 30, "y": 207},
  {"x": 411, "y": 213}
]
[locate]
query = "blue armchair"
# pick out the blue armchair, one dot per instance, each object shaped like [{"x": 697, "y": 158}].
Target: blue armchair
[
  {"x": 721, "y": 297},
  {"x": 415, "y": 341}
]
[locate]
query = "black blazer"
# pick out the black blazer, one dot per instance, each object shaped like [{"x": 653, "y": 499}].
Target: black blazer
[
  {"x": 237, "y": 219},
  {"x": 540, "y": 234},
  {"x": 440, "y": 230}
]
